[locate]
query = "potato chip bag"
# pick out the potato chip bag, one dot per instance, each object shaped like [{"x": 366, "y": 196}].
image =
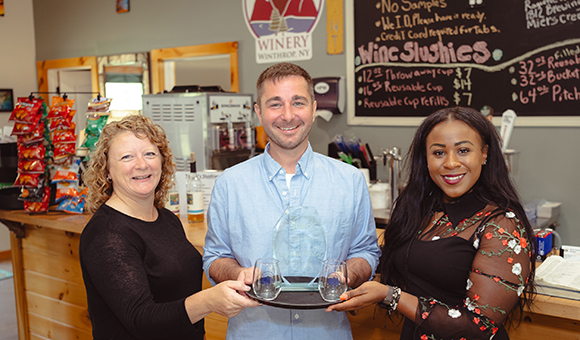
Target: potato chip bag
[
  {"x": 41, "y": 206},
  {"x": 63, "y": 136},
  {"x": 69, "y": 173},
  {"x": 72, "y": 205},
  {"x": 26, "y": 111},
  {"x": 31, "y": 151},
  {"x": 27, "y": 180},
  {"x": 99, "y": 106},
  {"x": 63, "y": 150},
  {"x": 61, "y": 109},
  {"x": 66, "y": 189},
  {"x": 31, "y": 165}
]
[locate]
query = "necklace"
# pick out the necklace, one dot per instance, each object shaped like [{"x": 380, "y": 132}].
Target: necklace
[{"x": 453, "y": 230}]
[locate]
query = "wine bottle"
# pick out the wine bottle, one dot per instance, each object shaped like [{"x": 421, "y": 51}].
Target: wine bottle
[
  {"x": 194, "y": 194},
  {"x": 172, "y": 203}
]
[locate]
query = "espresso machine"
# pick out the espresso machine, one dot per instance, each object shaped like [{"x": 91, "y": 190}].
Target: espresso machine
[{"x": 217, "y": 126}]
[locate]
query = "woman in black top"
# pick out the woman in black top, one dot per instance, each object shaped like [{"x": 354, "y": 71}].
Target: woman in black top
[
  {"x": 457, "y": 250},
  {"x": 142, "y": 276}
]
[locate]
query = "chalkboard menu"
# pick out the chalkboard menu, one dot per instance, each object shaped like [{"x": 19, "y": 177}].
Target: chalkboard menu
[{"x": 414, "y": 57}]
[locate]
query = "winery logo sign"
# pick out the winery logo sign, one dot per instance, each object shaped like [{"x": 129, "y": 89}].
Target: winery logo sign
[{"x": 282, "y": 28}]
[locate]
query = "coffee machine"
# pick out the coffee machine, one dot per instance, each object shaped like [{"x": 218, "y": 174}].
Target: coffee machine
[{"x": 217, "y": 126}]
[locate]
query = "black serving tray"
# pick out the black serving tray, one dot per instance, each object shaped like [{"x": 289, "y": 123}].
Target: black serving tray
[{"x": 295, "y": 299}]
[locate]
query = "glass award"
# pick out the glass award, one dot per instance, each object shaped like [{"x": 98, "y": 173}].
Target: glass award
[{"x": 300, "y": 245}]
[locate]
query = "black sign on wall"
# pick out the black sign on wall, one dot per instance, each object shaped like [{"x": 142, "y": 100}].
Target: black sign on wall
[{"x": 410, "y": 58}]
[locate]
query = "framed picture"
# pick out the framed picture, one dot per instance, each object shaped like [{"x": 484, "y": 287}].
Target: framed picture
[
  {"x": 122, "y": 6},
  {"x": 6, "y": 100},
  {"x": 1, "y": 8}
]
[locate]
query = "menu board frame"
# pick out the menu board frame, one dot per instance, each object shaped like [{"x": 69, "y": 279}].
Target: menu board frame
[{"x": 390, "y": 118}]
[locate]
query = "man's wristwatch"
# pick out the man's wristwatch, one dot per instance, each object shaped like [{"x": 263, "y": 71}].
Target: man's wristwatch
[{"x": 392, "y": 298}]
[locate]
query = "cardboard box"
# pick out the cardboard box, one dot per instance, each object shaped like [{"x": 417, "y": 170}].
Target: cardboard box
[{"x": 548, "y": 209}]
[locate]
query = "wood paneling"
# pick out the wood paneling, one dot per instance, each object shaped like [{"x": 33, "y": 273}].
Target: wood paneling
[
  {"x": 45, "y": 328},
  {"x": 83, "y": 63},
  {"x": 60, "y": 267},
  {"x": 57, "y": 289},
  {"x": 59, "y": 311},
  {"x": 54, "y": 291},
  {"x": 538, "y": 326},
  {"x": 19, "y": 286},
  {"x": 158, "y": 56},
  {"x": 5, "y": 255}
]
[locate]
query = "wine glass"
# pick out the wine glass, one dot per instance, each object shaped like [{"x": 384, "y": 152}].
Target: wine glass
[
  {"x": 267, "y": 281},
  {"x": 333, "y": 280}
]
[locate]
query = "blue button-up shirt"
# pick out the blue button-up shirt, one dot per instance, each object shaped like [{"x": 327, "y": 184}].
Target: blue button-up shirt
[{"x": 247, "y": 201}]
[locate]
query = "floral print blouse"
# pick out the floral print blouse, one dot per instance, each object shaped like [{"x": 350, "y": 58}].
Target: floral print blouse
[{"x": 468, "y": 268}]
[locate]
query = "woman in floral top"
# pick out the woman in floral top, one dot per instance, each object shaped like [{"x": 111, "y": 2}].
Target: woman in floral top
[{"x": 458, "y": 247}]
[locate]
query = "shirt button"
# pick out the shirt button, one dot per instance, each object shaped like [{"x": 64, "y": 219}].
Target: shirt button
[
  {"x": 284, "y": 193},
  {"x": 270, "y": 177},
  {"x": 281, "y": 172},
  {"x": 306, "y": 174},
  {"x": 296, "y": 316}
]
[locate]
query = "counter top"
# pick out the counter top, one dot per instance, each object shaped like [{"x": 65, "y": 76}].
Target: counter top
[
  {"x": 76, "y": 223},
  {"x": 53, "y": 219}
]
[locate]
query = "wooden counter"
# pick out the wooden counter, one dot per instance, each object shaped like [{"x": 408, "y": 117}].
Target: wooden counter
[{"x": 51, "y": 298}]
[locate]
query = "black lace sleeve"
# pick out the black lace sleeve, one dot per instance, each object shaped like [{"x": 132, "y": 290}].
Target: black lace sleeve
[{"x": 500, "y": 271}]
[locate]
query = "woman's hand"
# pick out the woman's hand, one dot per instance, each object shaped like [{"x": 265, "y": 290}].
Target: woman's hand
[
  {"x": 368, "y": 293},
  {"x": 227, "y": 298}
]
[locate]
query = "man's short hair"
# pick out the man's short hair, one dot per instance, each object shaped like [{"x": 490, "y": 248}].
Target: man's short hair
[{"x": 283, "y": 70}]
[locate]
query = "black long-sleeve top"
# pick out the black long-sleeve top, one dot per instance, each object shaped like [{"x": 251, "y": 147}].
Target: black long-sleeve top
[
  {"x": 137, "y": 275},
  {"x": 468, "y": 269}
]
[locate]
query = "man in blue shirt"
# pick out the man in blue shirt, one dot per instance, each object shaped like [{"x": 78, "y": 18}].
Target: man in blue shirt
[{"x": 249, "y": 198}]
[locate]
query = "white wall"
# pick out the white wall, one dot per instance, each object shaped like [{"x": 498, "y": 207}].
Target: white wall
[{"x": 17, "y": 63}]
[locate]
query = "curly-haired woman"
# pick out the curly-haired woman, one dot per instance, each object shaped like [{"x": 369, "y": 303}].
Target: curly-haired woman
[{"x": 142, "y": 276}]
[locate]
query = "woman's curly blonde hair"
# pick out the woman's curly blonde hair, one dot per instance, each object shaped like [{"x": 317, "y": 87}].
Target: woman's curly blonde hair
[{"x": 95, "y": 177}]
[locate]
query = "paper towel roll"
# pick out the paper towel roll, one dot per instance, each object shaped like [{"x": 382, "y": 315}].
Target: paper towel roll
[
  {"x": 380, "y": 195},
  {"x": 367, "y": 175}
]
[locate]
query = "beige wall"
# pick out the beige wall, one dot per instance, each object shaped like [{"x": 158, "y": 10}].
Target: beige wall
[
  {"x": 17, "y": 63},
  {"x": 548, "y": 159}
]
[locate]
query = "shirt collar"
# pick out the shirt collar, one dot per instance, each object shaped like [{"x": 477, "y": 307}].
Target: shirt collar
[
  {"x": 305, "y": 163},
  {"x": 463, "y": 207}
]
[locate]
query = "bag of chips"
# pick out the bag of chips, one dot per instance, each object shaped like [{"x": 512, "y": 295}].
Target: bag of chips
[
  {"x": 61, "y": 109},
  {"x": 26, "y": 111},
  {"x": 31, "y": 166},
  {"x": 67, "y": 173},
  {"x": 35, "y": 136},
  {"x": 63, "y": 150},
  {"x": 63, "y": 136},
  {"x": 66, "y": 189},
  {"x": 22, "y": 129},
  {"x": 31, "y": 151},
  {"x": 72, "y": 205},
  {"x": 99, "y": 106},
  {"x": 28, "y": 180},
  {"x": 95, "y": 125},
  {"x": 63, "y": 160},
  {"x": 33, "y": 194},
  {"x": 41, "y": 206}
]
